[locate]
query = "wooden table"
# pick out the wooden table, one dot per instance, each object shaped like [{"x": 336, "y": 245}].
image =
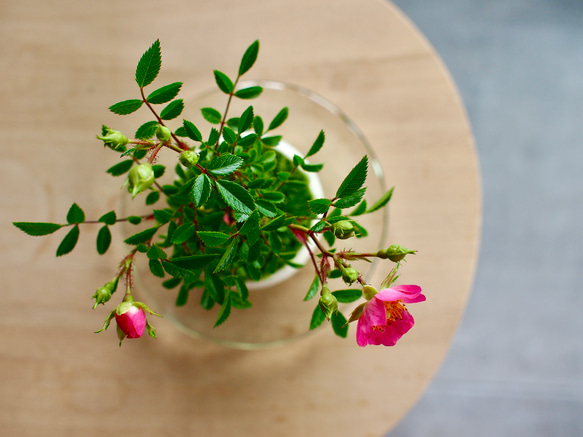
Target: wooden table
[{"x": 63, "y": 63}]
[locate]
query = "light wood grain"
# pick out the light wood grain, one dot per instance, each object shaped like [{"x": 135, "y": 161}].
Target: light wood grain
[{"x": 63, "y": 63}]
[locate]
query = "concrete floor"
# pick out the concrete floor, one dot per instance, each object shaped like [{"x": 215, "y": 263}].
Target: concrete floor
[{"x": 516, "y": 365}]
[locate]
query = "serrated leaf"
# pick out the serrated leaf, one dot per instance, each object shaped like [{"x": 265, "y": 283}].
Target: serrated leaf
[
  {"x": 258, "y": 125},
  {"x": 182, "y": 297},
  {"x": 156, "y": 268},
  {"x": 228, "y": 257},
  {"x": 147, "y": 130},
  {"x": 141, "y": 237},
  {"x": 37, "y": 229},
  {"x": 212, "y": 238},
  {"x": 152, "y": 198},
  {"x": 211, "y": 115},
  {"x": 317, "y": 144},
  {"x": 126, "y": 107},
  {"x": 164, "y": 94},
  {"x": 229, "y": 135},
  {"x": 192, "y": 131},
  {"x": 313, "y": 289},
  {"x": 69, "y": 242},
  {"x": 271, "y": 141},
  {"x": 108, "y": 218},
  {"x": 163, "y": 215},
  {"x": 249, "y": 93},
  {"x": 355, "y": 179},
  {"x": 75, "y": 214},
  {"x": 224, "y": 164},
  {"x": 149, "y": 65},
  {"x": 318, "y": 226},
  {"x": 351, "y": 200},
  {"x": 278, "y": 119},
  {"x": 274, "y": 224},
  {"x": 249, "y": 57},
  {"x": 360, "y": 209},
  {"x": 319, "y": 206},
  {"x": 250, "y": 228},
  {"x": 381, "y": 202},
  {"x": 223, "y": 82},
  {"x": 236, "y": 196},
  {"x": 194, "y": 262},
  {"x": 183, "y": 233},
  {"x": 156, "y": 252},
  {"x": 246, "y": 120},
  {"x": 224, "y": 312},
  {"x": 266, "y": 208},
  {"x": 339, "y": 324},
  {"x": 120, "y": 168},
  {"x": 273, "y": 196},
  {"x": 172, "y": 110},
  {"x": 103, "y": 239},
  {"x": 201, "y": 190},
  {"x": 318, "y": 318},
  {"x": 348, "y": 295}
]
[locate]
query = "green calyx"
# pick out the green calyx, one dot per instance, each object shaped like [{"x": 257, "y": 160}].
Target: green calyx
[
  {"x": 328, "y": 302},
  {"x": 349, "y": 275},
  {"x": 103, "y": 294},
  {"x": 188, "y": 158},
  {"x": 114, "y": 139},
  {"x": 343, "y": 229},
  {"x": 140, "y": 178},
  {"x": 395, "y": 253}
]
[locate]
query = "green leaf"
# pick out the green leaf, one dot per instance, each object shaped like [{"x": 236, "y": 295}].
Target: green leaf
[
  {"x": 223, "y": 82},
  {"x": 228, "y": 256},
  {"x": 249, "y": 58},
  {"x": 108, "y": 218},
  {"x": 273, "y": 196},
  {"x": 177, "y": 271},
  {"x": 250, "y": 228},
  {"x": 266, "y": 208},
  {"x": 339, "y": 324},
  {"x": 313, "y": 288},
  {"x": 69, "y": 242},
  {"x": 149, "y": 65},
  {"x": 318, "y": 318},
  {"x": 258, "y": 125},
  {"x": 354, "y": 180},
  {"x": 274, "y": 224},
  {"x": 146, "y": 130},
  {"x": 156, "y": 252},
  {"x": 360, "y": 209},
  {"x": 236, "y": 196},
  {"x": 271, "y": 141},
  {"x": 317, "y": 144},
  {"x": 312, "y": 168},
  {"x": 103, "y": 240},
  {"x": 201, "y": 190},
  {"x": 206, "y": 300},
  {"x": 351, "y": 200},
  {"x": 156, "y": 268},
  {"x": 214, "y": 136},
  {"x": 229, "y": 135},
  {"x": 164, "y": 94},
  {"x": 37, "y": 229},
  {"x": 246, "y": 120},
  {"x": 318, "y": 226},
  {"x": 192, "y": 131},
  {"x": 249, "y": 93},
  {"x": 134, "y": 219},
  {"x": 172, "y": 110},
  {"x": 141, "y": 237},
  {"x": 211, "y": 115},
  {"x": 126, "y": 107},
  {"x": 224, "y": 164},
  {"x": 194, "y": 262},
  {"x": 183, "y": 233},
  {"x": 348, "y": 295},
  {"x": 211, "y": 238},
  {"x": 152, "y": 198},
  {"x": 182, "y": 297},
  {"x": 381, "y": 202},
  {"x": 225, "y": 311},
  {"x": 163, "y": 215},
  {"x": 278, "y": 119},
  {"x": 75, "y": 215},
  {"x": 319, "y": 206},
  {"x": 120, "y": 168}
]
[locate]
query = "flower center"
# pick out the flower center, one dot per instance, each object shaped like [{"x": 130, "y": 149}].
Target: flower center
[{"x": 394, "y": 310}]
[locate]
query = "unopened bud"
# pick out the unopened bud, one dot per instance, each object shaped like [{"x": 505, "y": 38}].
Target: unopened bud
[
  {"x": 163, "y": 133},
  {"x": 328, "y": 302},
  {"x": 113, "y": 138},
  {"x": 188, "y": 158},
  {"x": 395, "y": 253},
  {"x": 343, "y": 229},
  {"x": 104, "y": 293},
  {"x": 349, "y": 275},
  {"x": 140, "y": 178}
]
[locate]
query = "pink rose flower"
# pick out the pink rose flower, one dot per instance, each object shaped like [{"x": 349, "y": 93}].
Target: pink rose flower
[
  {"x": 385, "y": 319},
  {"x": 131, "y": 320}
]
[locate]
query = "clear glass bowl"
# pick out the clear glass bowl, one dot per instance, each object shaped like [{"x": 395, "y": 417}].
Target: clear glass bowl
[{"x": 279, "y": 313}]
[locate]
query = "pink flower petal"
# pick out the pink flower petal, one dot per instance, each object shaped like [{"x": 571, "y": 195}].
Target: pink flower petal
[
  {"x": 132, "y": 322},
  {"x": 406, "y": 293}
]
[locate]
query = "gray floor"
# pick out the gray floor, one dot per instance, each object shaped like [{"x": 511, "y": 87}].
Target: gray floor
[{"x": 516, "y": 365}]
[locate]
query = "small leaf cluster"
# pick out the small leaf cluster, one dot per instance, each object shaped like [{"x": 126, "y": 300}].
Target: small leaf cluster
[{"x": 236, "y": 213}]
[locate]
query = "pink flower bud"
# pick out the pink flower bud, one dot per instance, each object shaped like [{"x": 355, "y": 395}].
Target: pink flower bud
[{"x": 131, "y": 320}]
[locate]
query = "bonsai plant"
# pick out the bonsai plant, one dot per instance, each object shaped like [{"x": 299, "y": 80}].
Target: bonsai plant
[{"x": 238, "y": 209}]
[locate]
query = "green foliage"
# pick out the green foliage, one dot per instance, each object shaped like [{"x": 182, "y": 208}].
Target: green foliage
[
  {"x": 251, "y": 92},
  {"x": 126, "y": 107},
  {"x": 223, "y": 82},
  {"x": 120, "y": 168},
  {"x": 172, "y": 110},
  {"x": 164, "y": 94},
  {"x": 37, "y": 229},
  {"x": 103, "y": 239},
  {"x": 249, "y": 58},
  {"x": 149, "y": 65},
  {"x": 212, "y": 116},
  {"x": 355, "y": 179},
  {"x": 68, "y": 243}
]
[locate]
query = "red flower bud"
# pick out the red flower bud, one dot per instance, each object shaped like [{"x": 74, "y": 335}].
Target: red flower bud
[{"x": 130, "y": 319}]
